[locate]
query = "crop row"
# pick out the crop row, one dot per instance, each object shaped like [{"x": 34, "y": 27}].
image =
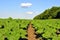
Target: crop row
[
  {"x": 13, "y": 29},
  {"x": 48, "y": 29}
]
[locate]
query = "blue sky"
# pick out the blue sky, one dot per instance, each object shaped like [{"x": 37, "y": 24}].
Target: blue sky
[{"x": 13, "y": 8}]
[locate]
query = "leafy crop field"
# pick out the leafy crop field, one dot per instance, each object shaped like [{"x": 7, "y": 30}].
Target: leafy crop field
[
  {"x": 13, "y": 29},
  {"x": 16, "y": 29},
  {"x": 47, "y": 29}
]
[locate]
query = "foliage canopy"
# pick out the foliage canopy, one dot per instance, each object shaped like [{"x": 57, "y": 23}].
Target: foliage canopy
[{"x": 52, "y": 13}]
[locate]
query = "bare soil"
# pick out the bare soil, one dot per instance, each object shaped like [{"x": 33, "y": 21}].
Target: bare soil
[{"x": 31, "y": 32}]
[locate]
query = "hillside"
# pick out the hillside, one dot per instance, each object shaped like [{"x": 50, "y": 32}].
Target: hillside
[{"x": 52, "y": 13}]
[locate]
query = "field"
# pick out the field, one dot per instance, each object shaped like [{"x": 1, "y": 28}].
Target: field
[
  {"x": 13, "y": 29},
  {"x": 47, "y": 29},
  {"x": 16, "y": 29}
]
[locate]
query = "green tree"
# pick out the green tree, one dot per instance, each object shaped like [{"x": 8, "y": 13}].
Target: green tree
[{"x": 49, "y": 13}]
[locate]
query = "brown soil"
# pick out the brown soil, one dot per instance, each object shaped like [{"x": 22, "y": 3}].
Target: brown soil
[{"x": 31, "y": 35}]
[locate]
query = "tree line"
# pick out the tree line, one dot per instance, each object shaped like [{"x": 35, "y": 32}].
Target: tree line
[{"x": 51, "y": 13}]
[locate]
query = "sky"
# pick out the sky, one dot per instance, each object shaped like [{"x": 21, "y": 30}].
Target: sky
[{"x": 25, "y": 9}]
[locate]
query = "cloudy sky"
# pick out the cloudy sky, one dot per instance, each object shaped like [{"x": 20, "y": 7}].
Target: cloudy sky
[{"x": 25, "y": 9}]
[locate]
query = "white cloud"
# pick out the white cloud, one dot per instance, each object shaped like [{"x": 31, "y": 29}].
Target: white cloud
[
  {"x": 26, "y": 4},
  {"x": 29, "y": 12}
]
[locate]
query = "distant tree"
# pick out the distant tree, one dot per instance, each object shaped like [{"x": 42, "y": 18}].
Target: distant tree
[
  {"x": 52, "y": 13},
  {"x": 10, "y": 18}
]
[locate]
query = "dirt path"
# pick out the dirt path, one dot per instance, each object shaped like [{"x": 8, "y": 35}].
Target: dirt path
[{"x": 31, "y": 35}]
